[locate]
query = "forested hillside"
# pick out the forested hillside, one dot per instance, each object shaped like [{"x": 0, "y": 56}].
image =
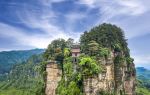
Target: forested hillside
[
  {"x": 25, "y": 78},
  {"x": 143, "y": 73},
  {"x": 143, "y": 81},
  {"x": 9, "y": 58}
]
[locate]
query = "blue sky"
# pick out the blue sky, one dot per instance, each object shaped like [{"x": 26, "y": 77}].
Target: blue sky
[{"x": 27, "y": 24}]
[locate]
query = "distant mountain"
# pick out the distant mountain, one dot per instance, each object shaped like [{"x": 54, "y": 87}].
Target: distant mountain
[
  {"x": 24, "y": 79},
  {"x": 143, "y": 81},
  {"x": 143, "y": 73},
  {"x": 141, "y": 69},
  {"x": 9, "y": 58}
]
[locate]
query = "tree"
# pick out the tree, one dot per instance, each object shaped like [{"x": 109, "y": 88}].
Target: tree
[
  {"x": 73, "y": 89},
  {"x": 93, "y": 47},
  {"x": 89, "y": 66},
  {"x": 70, "y": 42},
  {"x": 55, "y": 50},
  {"x": 106, "y": 35},
  {"x": 104, "y": 52},
  {"x": 68, "y": 69},
  {"x": 66, "y": 52}
]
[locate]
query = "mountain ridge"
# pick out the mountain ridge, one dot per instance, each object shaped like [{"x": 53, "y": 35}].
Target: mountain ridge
[{"x": 9, "y": 58}]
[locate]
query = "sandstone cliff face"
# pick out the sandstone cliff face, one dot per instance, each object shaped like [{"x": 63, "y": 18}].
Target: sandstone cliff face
[
  {"x": 117, "y": 79},
  {"x": 52, "y": 79}
]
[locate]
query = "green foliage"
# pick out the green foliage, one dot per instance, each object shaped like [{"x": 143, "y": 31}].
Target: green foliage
[
  {"x": 142, "y": 91},
  {"x": 73, "y": 89},
  {"x": 58, "y": 49},
  {"x": 129, "y": 60},
  {"x": 141, "y": 88},
  {"x": 68, "y": 69},
  {"x": 104, "y": 52},
  {"x": 69, "y": 82},
  {"x": 67, "y": 52},
  {"x": 61, "y": 88},
  {"x": 107, "y": 36},
  {"x": 68, "y": 89},
  {"x": 59, "y": 57},
  {"x": 55, "y": 50},
  {"x": 13, "y": 91},
  {"x": 89, "y": 66},
  {"x": 93, "y": 48},
  {"x": 69, "y": 42},
  {"x": 119, "y": 60},
  {"x": 117, "y": 47}
]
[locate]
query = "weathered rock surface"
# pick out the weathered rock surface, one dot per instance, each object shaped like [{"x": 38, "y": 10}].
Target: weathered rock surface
[
  {"x": 52, "y": 79},
  {"x": 115, "y": 79}
]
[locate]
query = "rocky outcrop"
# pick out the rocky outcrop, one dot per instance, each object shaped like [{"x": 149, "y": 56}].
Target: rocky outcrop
[
  {"x": 129, "y": 83},
  {"x": 53, "y": 77},
  {"x": 116, "y": 78}
]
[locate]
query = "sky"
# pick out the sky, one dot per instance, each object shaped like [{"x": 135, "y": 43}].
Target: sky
[{"x": 28, "y": 24}]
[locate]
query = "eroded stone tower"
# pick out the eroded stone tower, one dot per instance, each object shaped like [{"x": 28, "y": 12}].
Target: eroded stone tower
[{"x": 54, "y": 74}]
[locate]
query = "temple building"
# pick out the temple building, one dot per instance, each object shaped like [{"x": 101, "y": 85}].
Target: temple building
[{"x": 75, "y": 50}]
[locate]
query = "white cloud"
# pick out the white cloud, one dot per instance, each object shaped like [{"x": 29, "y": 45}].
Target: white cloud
[
  {"x": 72, "y": 19},
  {"x": 46, "y": 19},
  {"x": 90, "y": 3},
  {"x": 49, "y": 2},
  {"x": 74, "y": 16},
  {"x": 133, "y": 7},
  {"x": 22, "y": 38},
  {"x": 116, "y": 7},
  {"x": 142, "y": 61},
  {"x": 130, "y": 15},
  {"x": 36, "y": 40}
]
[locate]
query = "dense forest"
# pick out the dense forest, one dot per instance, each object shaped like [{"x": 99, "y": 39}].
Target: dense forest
[
  {"x": 24, "y": 78},
  {"x": 28, "y": 77},
  {"x": 9, "y": 58}
]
